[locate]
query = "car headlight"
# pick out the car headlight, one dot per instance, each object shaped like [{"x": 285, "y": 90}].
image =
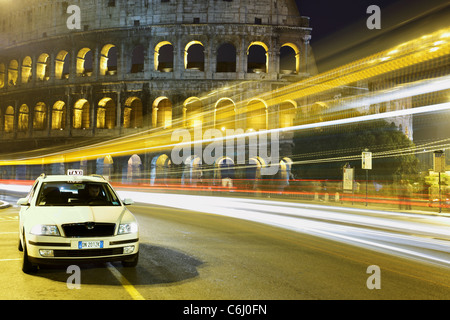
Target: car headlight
[
  {"x": 45, "y": 230},
  {"x": 129, "y": 227}
]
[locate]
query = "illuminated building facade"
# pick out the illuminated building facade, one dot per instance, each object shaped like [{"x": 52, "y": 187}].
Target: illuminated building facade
[{"x": 136, "y": 65}]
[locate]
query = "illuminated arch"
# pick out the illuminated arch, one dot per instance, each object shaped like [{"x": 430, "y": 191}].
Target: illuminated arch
[
  {"x": 40, "y": 116},
  {"x": 225, "y": 114},
  {"x": 59, "y": 115},
  {"x": 257, "y": 66},
  {"x": 163, "y": 65},
  {"x": 160, "y": 166},
  {"x": 13, "y": 72},
  {"x": 83, "y": 63},
  {"x": 162, "y": 113},
  {"x": 2, "y": 75},
  {"x": 106, "y": 114},
  {"x": 107, "y": 64},
  {"x": 287, "y": 113},
  {"x": 22, "y": 124},
  {"x": 42, "y": 68},
  {"x": 192, "y": 112},
  {"x": 296, "y": 55},
  {"x": 132, "y": 117},
  {"x": 26, "y": 69},
  {"x": 81, "y": 117},
  {"x": 61, "y": 65},
  {"x": 9, "y": 119},
  {"x": 190, "y": 64},
  {"x": 256, "y": 115}
]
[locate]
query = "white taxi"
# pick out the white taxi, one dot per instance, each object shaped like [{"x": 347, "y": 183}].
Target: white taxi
[{"x": 71, "y": 219}]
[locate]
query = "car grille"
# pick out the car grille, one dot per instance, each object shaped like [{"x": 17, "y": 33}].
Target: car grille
[
  {"x": 89, "y": 229},
  {"x": 87, "y": 253}
]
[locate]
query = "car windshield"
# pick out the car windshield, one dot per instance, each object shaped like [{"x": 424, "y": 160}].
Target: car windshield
[{"x": 63, "y": 193}]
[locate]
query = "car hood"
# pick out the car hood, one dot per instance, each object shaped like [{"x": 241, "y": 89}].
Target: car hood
[{"x": 80, "y": 214}]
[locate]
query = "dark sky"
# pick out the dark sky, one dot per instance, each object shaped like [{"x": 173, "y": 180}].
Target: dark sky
[
  {"x": 328, "y": 16},
  {"x": 340, "y": 34}
]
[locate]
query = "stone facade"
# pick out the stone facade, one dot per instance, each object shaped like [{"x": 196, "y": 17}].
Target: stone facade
[{"x": 135, "y": 65}]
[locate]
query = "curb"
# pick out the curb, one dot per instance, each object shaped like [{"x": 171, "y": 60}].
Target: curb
[{"x": 4, "y": 204}]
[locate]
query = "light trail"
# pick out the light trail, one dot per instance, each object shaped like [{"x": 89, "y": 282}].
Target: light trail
[
  {"x": 426, "y": 238},
  {"x": 414, "y": 52}
]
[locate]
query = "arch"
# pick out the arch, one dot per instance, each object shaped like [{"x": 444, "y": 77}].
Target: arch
[
  {"x": 61, "y": 65},
  {"x": 13, "y": 72},
  {"x": 40, "y": 116},
  {"x": 287, "y": 114},
  {"x": 2, "y": 75},
  {"x": 163, "y": 58},
  {"x": 59, "y": 115},
  {"x": 192, "y": 112},
  {"x": 226, "y": 58},
  {"x": 285, "y": 168},
  {"x": 256, "y": 115},
  {"x": 162, "y": 113},
  {"x": 132, "y": 113},
  {"x": 108, "y": 60},
  {"x": 106, "y": 114},
  {"x": 224, "y": 169},
  {"x": 22, "y": 124},
  {"x": 257, "y": 57},
  {"x": 84, "y": 62},
  {"x": 160, "y": 166},
  {"x": 137, "y": 59},
  {"x": 134, "y": 168},
  {"x": 253, "y": 168},
  {"x": 194, "y": 56},
  {"x": 225, "y": 114},
  {"x": 192, "y": 171},
  {"x": 81, "y": 117},
  {"x": 104, "y": 167},
  {"x": 9, "y": 119},
  {"x": 42, "y": 69},
  {"x": 317, "y": 109},
  {"x": 26, "y": 69},
  {"x": 289, "y": 58}
]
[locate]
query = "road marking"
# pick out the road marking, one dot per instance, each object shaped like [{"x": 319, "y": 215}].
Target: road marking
[
  {"x": 11, "y": 259},
  {"x": 125, "y": 283}
]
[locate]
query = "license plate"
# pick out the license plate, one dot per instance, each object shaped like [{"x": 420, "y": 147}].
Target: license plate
[{"x": 90, "y": 244}]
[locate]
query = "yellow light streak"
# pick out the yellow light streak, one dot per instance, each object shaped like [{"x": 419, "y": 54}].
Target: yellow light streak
[{"x": 394, "y": 59}]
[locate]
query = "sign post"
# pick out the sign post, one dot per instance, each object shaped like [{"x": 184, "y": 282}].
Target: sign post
[
  {"x": 439, "y": 167},
  {"x": 366, "y": 164},
  {"x": 347, "y": 179}
]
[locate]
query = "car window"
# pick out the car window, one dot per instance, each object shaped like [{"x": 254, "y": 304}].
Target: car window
[{"x": 76, "y": 194}]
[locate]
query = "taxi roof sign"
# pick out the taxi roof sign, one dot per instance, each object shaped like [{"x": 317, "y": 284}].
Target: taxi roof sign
[{"x": 75, "y": 172}]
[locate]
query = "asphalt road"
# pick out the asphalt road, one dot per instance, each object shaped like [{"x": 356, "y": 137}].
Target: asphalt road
[{"x": 188, "y": 255}]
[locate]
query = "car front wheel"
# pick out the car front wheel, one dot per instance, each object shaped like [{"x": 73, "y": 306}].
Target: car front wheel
[
  {"x": 27, "y": 266},
  {"x": 131, "y": 263}
]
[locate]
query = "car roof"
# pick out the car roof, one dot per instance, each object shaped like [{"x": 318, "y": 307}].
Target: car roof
[{"x": 55, "y": 178}]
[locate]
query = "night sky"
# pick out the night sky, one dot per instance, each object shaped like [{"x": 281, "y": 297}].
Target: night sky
[{"x": 340, "y": 34}]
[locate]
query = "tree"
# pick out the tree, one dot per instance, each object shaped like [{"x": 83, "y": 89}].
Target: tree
[{"x": 322, "y": 152}]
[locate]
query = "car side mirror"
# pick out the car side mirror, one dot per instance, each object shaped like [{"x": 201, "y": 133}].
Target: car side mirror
[
  {"x": 127, "y": 201},
  {"x": 23, "y": 202}
]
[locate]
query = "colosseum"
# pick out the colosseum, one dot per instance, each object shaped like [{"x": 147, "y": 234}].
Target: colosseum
[{"x": 116, "y": 67}]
